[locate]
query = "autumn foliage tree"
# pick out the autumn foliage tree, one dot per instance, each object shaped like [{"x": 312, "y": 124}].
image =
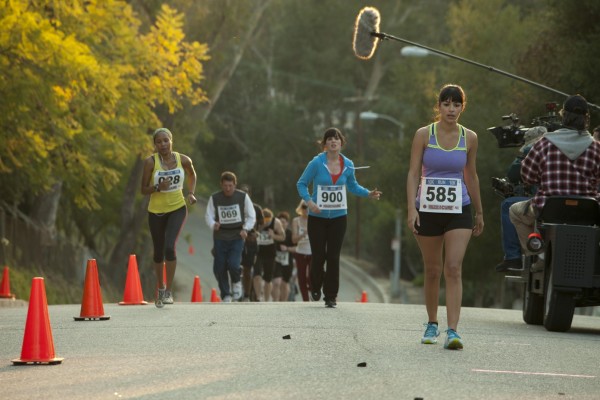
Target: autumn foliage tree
[{"x": 80, "y": 87}]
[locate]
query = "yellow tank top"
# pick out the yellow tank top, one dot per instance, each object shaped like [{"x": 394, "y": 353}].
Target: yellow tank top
[{"x": 171, "y": 199}]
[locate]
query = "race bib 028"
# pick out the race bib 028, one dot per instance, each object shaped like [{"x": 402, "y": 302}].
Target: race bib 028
[{"x": 174, "y": 176}]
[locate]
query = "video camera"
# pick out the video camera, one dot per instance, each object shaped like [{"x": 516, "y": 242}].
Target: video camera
[
  {"x": 513, "y": 134},
  {"x": 504, "y": 188}
]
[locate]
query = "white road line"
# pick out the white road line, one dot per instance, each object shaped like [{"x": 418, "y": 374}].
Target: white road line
[{"x": 533, "y": 373}]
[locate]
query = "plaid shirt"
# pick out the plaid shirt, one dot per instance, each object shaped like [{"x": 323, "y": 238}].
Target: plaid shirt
[{"x": 557, "y": 175}]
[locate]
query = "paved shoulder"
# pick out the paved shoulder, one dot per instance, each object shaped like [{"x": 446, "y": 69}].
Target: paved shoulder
[{"x": 299, "y": 350}]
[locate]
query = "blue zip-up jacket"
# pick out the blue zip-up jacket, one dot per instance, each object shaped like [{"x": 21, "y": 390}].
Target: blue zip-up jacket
[{"x": 316, "y": 172}]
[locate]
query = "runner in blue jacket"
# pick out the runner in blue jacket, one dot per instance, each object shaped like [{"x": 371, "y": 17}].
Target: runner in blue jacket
[{"x": 331, "y": 174}]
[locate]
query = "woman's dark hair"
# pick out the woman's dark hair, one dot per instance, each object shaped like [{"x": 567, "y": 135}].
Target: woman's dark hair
[
  {"x": 453, "y": 93},
  {"x": 332, "y": 132}
]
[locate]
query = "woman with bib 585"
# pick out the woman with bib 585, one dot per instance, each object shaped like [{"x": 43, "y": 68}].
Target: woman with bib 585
[{"x": 442, "y": 191}]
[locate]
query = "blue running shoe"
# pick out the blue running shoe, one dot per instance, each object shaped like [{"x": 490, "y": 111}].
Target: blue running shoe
[
  {"x": 431, "y": 334},
  {"x": 453, "y": 341}
]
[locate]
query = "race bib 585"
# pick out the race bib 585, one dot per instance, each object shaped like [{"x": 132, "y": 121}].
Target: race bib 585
[{"x": 441, "y": 195}]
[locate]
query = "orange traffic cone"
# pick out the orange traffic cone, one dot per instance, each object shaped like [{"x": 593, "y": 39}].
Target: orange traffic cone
[
  {"x": 213, "y": 296},
  {"x": 133, "y": 287},
  {"x": 364, "y": 298},
  {"x": 196, "y": 291},
  {"x": 5, "y": 286},
  {"x": 38, "y": 345},
  {"x": 92, "y": 308}
]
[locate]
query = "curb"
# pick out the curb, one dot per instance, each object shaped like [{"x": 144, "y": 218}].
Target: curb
[{"x": 360, "y": 278}]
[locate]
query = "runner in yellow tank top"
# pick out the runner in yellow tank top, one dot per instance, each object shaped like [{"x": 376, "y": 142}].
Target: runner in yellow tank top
[{"x": 163, "y": 179}]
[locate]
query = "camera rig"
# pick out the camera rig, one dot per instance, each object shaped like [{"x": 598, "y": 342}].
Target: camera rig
[
  {"x": 513, "y": 134},
  {"x": 504, "y": 188}
]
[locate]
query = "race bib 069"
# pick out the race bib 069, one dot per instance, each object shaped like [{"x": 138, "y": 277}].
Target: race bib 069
[{"x": 229, "y": 214}]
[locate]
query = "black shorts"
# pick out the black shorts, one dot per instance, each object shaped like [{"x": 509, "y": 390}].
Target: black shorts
[
  {"x": 249, "y": 254},
  {"x": 283, "y": 271},
  {"x": 436, "y": 224}
]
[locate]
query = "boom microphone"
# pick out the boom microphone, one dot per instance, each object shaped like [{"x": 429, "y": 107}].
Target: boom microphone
[
  {"x": 364, "y": 43},
  {"x": 367, "y": 36}
]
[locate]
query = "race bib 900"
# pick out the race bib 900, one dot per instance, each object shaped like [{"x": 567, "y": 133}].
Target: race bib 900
[
  {"x": 441, "y": 195},
  {"x": 332, "y": 197}
]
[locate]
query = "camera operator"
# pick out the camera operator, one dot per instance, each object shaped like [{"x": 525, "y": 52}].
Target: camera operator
[
  {"x": 563, "y": 162},
  {"x": 518, "y": 192}
]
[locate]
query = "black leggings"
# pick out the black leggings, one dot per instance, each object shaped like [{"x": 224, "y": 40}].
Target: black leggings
[
  {"x": 165, "y": 229},
  {"x": 326, "y": 237}
]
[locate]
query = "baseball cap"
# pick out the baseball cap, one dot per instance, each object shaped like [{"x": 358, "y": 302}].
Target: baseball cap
[
  {"x": 532, "y": 135},
  {"x": 576, "y": 104}
]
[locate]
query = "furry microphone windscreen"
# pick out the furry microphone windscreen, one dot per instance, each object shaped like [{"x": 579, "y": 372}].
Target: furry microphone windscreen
[{"x": 364, "y": 44}]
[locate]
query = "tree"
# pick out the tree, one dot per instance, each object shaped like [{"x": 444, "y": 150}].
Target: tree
[{"x": 80, "y": 95}]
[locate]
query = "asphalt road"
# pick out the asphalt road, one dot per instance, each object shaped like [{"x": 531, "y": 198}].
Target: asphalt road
[
  {"x": 352, "y": 279},
  {"x": 238, "y": 351}
]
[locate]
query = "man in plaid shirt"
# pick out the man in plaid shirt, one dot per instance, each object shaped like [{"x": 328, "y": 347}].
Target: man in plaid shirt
[{"x": 563, "y": 162}]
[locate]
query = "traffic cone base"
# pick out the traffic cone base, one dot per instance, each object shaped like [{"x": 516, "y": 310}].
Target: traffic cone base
[
  {"x": 141, "y": 303},
  {"x": 92, "y": 308},
  {"x": 53, "y": 361},
  {"x": 133, "y": 288},
  {"x": 38, "y": 345},
  {"x": 102, "y": 318}
]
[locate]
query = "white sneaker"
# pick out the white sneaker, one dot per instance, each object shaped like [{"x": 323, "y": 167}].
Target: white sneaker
[
  {"x": 168, "y": 297},
  {"x": 227, "y": 299},
  {"x": 237, "y": 291}
]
